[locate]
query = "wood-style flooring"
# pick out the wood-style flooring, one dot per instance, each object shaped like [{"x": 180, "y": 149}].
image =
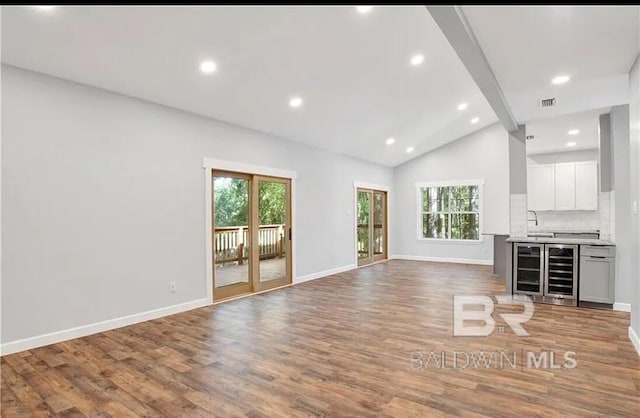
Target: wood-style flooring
[{"x": 338, "y": 346}]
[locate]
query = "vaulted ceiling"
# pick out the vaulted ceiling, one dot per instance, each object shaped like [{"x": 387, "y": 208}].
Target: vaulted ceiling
[
  {"x": 527, "y": 46},
  {"x": 352, "y": 70}
]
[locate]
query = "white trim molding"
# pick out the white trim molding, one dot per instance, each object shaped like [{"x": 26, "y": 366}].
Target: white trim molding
[
  {"x": 622, "y": 307},
  {"x": 370, "y": 186},
  {"x": 446, "y": 183},
  {"x": 634, "y": 339},
  {"x": 325, "y": 273},
  {"x": 442, "y": 259},
  {"x": 90, "y": 329},
  {"x": 85, "y": 330},
  {"x": 238, "y": 167}
]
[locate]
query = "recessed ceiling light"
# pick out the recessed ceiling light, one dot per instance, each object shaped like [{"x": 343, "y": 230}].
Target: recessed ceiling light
[
  {"x": 364, "y": 9},
  {"x": 390, "y": 141},
  {"x": 560, "y": 79},
  {"x": 475, "y": 120},
  {"x": 463, "y": 106},
  {"x": 410, "y": 149},
  {"x": 45, "y": 7},
  {"x": 295, "y": 102},
  {"x": 208, "y": 67},
  {"x": 417, "y": 59},
  {"x": 571, "y": 144},
  {"x": 574, "y": 132}
]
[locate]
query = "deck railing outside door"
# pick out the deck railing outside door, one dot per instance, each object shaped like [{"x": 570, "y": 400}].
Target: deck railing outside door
[{"x": 229, "y": 242}]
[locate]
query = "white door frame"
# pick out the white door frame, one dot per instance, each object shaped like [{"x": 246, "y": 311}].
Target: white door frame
[
  {"x": 211, "y": 164},
  {"x": 362, "y": 185}
]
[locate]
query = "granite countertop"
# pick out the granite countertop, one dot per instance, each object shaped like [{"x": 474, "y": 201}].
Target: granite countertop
[{"x": 545, "y": 240}]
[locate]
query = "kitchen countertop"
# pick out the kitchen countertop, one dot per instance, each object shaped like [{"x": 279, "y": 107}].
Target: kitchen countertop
[
  {"x": 563, "y": 231},
  {"x": 545, "y": 240}
]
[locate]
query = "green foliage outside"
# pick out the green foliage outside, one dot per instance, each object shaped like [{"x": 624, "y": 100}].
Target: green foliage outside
[
  {"x": 363, "y": 224},
  {"x": 231, "y": 202},
  {"x": 451, "y": 212}
]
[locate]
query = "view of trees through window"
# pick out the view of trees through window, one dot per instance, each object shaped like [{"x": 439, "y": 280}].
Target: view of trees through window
[
  {"x": 451, "y": 212},
  {"x": 231, "y": 202}
]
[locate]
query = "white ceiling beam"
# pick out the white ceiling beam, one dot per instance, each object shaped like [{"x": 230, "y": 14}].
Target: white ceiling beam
[{"x": 456, "y": 29}]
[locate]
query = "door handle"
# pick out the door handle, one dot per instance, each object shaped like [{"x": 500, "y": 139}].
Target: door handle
[{"x": 289, "y": 234}]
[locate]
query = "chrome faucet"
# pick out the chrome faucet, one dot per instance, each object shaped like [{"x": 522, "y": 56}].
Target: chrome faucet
[{"x": 535, "y": 217}]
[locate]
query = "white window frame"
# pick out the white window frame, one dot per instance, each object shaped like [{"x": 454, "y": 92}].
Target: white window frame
[{"x": 449, "y": 183}]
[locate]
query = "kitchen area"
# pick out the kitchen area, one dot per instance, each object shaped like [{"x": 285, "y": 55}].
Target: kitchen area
[{"x": 568, "y": 254}]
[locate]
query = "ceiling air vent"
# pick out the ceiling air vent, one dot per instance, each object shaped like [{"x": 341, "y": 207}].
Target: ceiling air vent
[{"x": 548, "y": 102}]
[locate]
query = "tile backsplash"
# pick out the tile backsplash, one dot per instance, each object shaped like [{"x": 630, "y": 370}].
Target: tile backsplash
[
  {"x": 518, "y": 218},
  {"x": 566, "y": 221}
]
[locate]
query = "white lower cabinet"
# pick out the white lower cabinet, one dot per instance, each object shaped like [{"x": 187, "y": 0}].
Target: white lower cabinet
[{"x": 597, "y": 274}]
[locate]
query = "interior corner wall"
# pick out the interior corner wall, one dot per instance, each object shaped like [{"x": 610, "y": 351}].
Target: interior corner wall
[
  {"x": 103, "y": 202},
  {"x": 621, "y": 202},
  {"x": 483, "y": 154},
  {"x": 518, "y": 182}
]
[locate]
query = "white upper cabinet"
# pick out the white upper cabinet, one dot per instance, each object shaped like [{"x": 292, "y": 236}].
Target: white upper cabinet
[
  {"x": 587, "y": 185},
  {"x": 566, "y": 186},
  {"x": 541, "y": 187}
]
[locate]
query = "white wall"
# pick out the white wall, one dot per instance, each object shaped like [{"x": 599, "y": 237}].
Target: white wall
[
  {"x": 103, "y": 202},
  {"x": 482, "y": 155},
  {"x": 634, "y": 152}
]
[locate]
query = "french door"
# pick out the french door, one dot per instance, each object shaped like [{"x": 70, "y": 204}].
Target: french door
[
  {"x": 251, "y": 234},
  {"x": 371, "y": 228}
]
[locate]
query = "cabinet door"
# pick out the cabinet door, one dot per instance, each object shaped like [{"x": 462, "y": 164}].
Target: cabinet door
[
  {"x": 587, "y": 185},
  {"x": 540, "y": 187},
  {"x": 565, "y": 186},
  {"x": 597, "y": 277}
]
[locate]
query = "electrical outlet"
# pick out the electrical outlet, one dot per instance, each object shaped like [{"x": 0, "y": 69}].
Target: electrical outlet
[{"x": 172, "y": 287}]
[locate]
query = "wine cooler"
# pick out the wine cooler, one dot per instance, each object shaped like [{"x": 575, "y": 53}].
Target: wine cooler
[{"x": 546, "y": 272}]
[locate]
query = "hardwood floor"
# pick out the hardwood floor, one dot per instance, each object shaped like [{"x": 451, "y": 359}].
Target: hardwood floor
[{"x": 338, "y": 346}]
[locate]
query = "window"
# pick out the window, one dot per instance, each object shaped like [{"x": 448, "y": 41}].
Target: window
[{"x": 450, "y": 211}]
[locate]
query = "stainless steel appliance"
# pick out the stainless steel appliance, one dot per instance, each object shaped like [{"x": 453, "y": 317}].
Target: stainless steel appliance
[{"x": 548, "y": 273}]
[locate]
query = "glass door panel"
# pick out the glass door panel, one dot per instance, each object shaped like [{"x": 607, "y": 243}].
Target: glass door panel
[
  {"x": 231, "y": 237},
  {"x": 379, "y": 225},
  {"x": 364, "y": 203},
  {"x": 273, "y": 232},
  {"x": 528, "y": 272}
]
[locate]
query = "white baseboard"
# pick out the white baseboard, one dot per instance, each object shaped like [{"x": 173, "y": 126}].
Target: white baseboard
[
  {"x": 320, "y": 274},
  {"x": 634, "y": 339},
  {"x": 84, "y": 330},
  {"x": 442, "y": 259},
  {"x": 89, "y": 329},
  {"x": 622, "y": 307}
]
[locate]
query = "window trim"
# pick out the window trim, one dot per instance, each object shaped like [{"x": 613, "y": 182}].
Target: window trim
[{"x": 450, "y": 183}]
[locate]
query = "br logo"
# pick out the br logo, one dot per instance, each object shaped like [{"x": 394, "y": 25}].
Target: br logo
[{"x": 484, "y": 315}]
